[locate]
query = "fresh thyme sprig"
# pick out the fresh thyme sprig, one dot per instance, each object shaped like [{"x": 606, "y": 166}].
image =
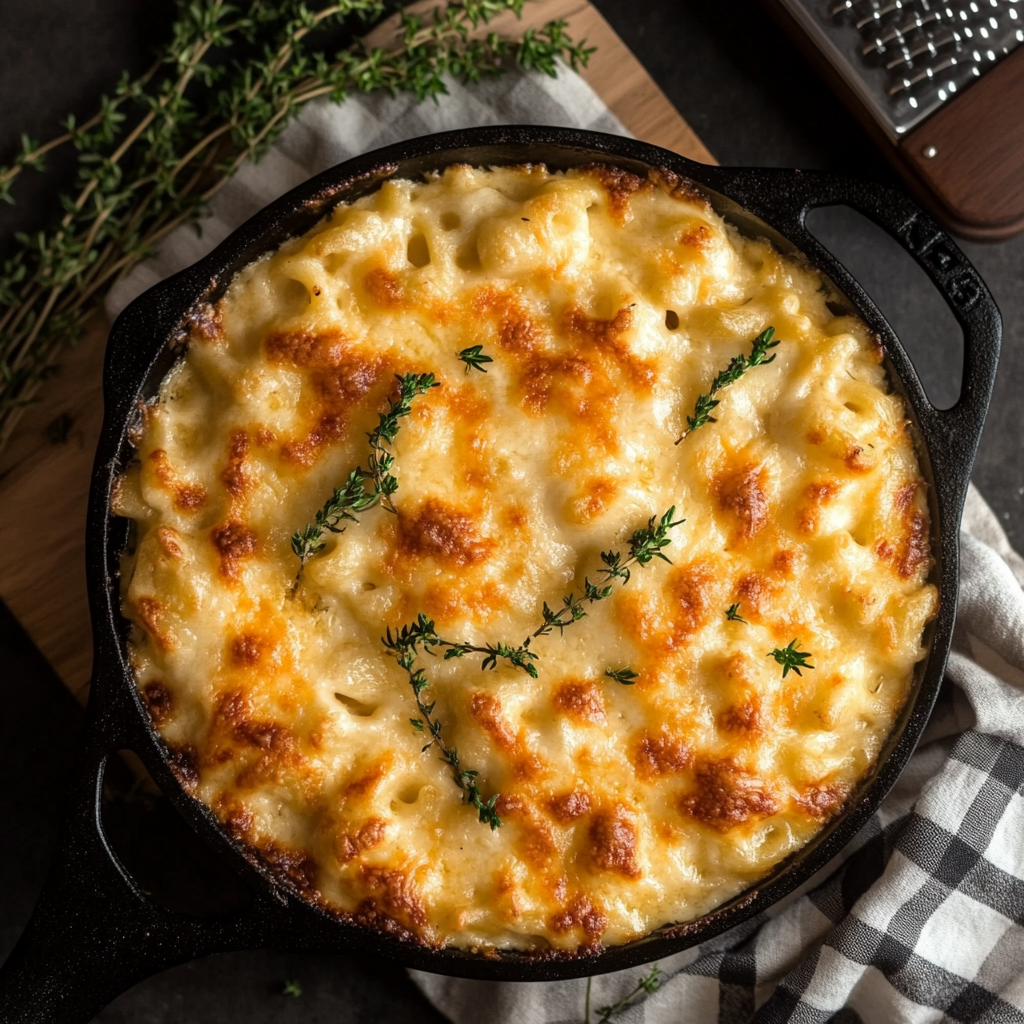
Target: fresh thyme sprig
[
  {"x": 648, "y": 983},
  {"x": 738, "y": 366},
  {"x": 474, "y": 358},
  {"x": 225, "y": 85},
  {"x": 291, "y": 988},
  {"x": 626, "y": 676},
  {"x": 352, "y": 497},
  {"x": 732, "y": 613},
  {"x": 790, "y": 658},
  {"x": 404, "y": 645},
  {"x": 423, "y": 633},
  {"x": 345, "y": 503},
  {"x": 381, "y": 460},
  {"x": 644, "y": 546}
]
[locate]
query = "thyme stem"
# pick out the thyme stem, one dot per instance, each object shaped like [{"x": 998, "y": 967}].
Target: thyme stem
[
  {"x": 738, "y": 366},
  {"x": 404, "y": 646}
]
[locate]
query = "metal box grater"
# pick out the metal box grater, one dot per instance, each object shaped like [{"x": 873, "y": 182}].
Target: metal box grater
[{"x": 940, "y": 85}]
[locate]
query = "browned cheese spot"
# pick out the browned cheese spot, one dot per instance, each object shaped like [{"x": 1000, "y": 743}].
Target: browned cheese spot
[
  {"x": 460, "y": 598},
  {"x": 440, "y": 531},
  {"x": 680, "y": 188},
  {"x": 609, "y": 337},
  {"x": 614, "y": 843},
  {"x": 569, "y": 806},
  {"x": 369, "y": 915},
  {"x": 366, "y": 784},
  {"x": 620, "y": 186},
  {"x": 168, "y": 538},
  {"x": 786, "y": 562},
  {"x": 396, "y": 893},
  {"x": 187, "y": 497},
  {"x": 742, "y": 493},
  {"x": 247, "y": 649},
  {"x": 821, "y": 801},
  {"x": 384, "y": 287},
  {"x": 592, "y": 501},
  {"x": 581, "y": 913},
  {"x": 234, "y": 542},
  {"x": 486, "y": 709},
  {"x": 236, "y": 477},
  {"x": 580, "y": 700},
  {"x": 743, "y": 718},
  {"x": 159, "y": 702},
  {"x": 298, "y": 867},
  {"x": 238, "y": 819},
  {"x": 349, "y": 845},
  {"x": 205, "y": 322},
  {"x": 687, "y": 602},
  {"x": 339, "y": 375},
  {"x": 726, "y": 795},
  {"x": 698, "y": 238},
  {"x": 757, "y": 592},
  {"x": 816, "y": 496},
  {"x": 184, "y": 766},
  {"x": 535, "y": 841},
  {"x": 910, "y": 554},
  {"x": 660, "y": 754},
  {"x": 151, "y": 612},
  {"x": 275, "y": 745}
]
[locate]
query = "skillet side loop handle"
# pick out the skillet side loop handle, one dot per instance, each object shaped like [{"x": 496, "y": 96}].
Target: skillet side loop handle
[
  {"x": 952, "y": 434},
  {"x": 85, "y": 942},
  {"x": 94, "y": 933}
]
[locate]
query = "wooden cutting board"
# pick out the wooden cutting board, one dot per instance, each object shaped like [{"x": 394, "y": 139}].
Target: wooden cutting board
[{"x": 44, "y": 486}]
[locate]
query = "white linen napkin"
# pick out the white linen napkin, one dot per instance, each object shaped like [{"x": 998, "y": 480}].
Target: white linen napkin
[{"x": 920, "y": 918}]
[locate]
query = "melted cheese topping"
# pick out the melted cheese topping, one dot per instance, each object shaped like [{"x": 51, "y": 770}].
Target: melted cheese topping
[{"x": 608, "y": 304}]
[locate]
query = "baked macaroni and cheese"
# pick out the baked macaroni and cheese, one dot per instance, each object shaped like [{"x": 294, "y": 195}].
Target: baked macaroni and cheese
[{"x": 525, "y": 560}]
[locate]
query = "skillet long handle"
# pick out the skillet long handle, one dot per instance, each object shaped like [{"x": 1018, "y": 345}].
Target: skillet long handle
[{"x": 953, "y": 434}]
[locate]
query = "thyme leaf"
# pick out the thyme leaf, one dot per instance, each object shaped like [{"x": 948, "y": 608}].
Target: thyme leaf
[
  {"x": 350, "y": 499},
  {"x": 738, "y": 366},
  {"x": 474, "y": 358},
  {"x": 291, "y": 988},
  {"x": 626, "y": 676},
  {"x": 404, "y": 645},
  {"x": 732, "y": 613},
  {"x": 790, "y": 658},
  {"x": 381, "y": 460}
]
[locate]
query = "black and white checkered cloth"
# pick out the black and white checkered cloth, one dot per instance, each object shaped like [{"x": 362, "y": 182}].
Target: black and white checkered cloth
[{"x": 921, "y": 919}]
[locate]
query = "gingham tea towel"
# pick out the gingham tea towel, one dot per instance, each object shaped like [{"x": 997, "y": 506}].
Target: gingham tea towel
[{"x": 921, "y": 919}]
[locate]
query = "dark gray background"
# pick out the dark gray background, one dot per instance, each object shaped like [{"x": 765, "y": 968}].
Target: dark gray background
[{"x": 753, "y": 100}]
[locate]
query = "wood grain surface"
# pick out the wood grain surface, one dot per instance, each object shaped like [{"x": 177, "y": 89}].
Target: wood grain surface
[
  {"x": 44, "y": 486},
  {"x": 977, "y": 172}
]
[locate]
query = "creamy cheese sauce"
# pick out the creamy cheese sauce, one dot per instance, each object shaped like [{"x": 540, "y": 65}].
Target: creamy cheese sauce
[{"x": 607, "y": 304}]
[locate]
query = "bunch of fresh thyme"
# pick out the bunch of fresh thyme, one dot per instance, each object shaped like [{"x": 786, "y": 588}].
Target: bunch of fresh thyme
[
  {"x": 738, "y": 366},
  {"x": 353, "y": 497},
  {"x": 225, "y": 85}
]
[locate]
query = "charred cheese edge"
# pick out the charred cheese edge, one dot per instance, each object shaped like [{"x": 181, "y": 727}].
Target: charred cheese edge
[{"x": 608, "y": 304}]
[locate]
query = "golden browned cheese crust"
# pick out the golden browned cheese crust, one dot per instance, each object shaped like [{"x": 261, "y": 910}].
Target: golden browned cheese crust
[{"x": 607, "y": 304}]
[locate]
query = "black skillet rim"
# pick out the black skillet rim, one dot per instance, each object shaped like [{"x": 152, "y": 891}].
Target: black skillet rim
[{"x": 767, "y": 202}]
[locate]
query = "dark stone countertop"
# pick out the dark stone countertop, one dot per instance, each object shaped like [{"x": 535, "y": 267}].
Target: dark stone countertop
[{"x": 753, "y": 100}]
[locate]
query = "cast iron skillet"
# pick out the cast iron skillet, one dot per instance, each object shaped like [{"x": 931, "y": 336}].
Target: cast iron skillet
[{"x": 94, "y": 932}]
